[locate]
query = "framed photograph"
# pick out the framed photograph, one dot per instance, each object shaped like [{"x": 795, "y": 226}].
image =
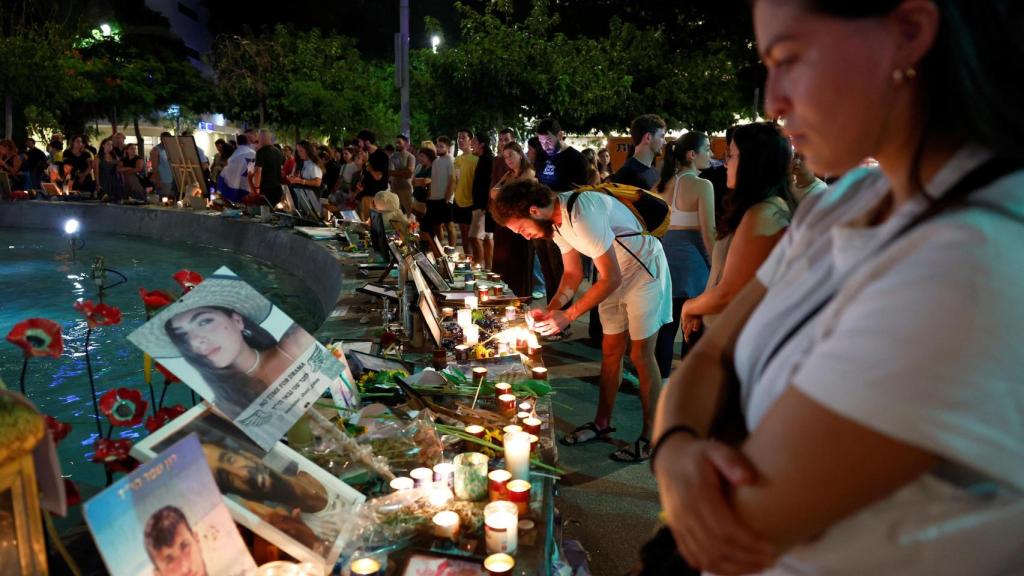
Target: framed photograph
[
  {"x": 362, "y": 362},
  {"x": 278, "y": 494},
  {"x": 245, "y": 356},
  {"x": 431, "y": 273},
  {"x": 433, "y": 563},
  {"x": 378, "y": 291},
  {"x": 425, "y": 291},
  {"x": 430, "y": 316},
  {"x": 167, "y": 517}
]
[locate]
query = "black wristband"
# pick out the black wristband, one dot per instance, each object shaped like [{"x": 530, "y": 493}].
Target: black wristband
[{"x": 677, "y": 429}]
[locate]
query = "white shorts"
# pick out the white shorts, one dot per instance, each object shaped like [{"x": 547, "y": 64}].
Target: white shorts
[
  {"x": 476, "y": 227},
  {"x": 641, "y": 305}
]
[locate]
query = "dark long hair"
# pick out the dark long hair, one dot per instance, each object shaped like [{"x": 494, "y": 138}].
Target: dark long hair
[
  {"x": 524, "y": 162},
  {"x": 969, "y": 76},
  {"x": 235, "y": 390},
  {"x": 762, "y": 172},
  {"x": 675, "y": 154}
]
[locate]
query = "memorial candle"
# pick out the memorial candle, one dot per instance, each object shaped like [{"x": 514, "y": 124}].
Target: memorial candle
[
  {"x": 462, "y": 354},
  {"x": 367, "y": 567},
  {"x": 512, "y": 428},
  {"x": 472, "y": 334},
  {"x": 539, "y": 373},
  {"x": 446, "y": 525},
  {"x": 440, "y": 496},
  {"x": 465, "y": 317},
  {"x": 506, "y": 404},
  {"x": 499, "y": 565},
  {"x": 510, "y": 313},
  {"x": 531, "y": 425},
  {"x": 444, "y": 474},
  {"x": 517, "y": 455},
  {"x": 479, "y": 375},
  {"x": 519, "y": 494},
  {"x": 447, "y": 312},
  {"x": 476, "y": 430},
  {"x": 471, "y": 301},
  {"x": 497, "y": 482},
  {"x": 501, "y": 527},
  {"x": 402, "y": 483},
  {"x": 502, "y": 388},
  {"x": 422, "y": 477}
]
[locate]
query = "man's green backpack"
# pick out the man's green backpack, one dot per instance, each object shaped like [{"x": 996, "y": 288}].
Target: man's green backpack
[{"x": 650, "y": 209}]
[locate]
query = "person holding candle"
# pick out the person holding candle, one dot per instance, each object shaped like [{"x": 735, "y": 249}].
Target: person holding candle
[
  {"x": 875, "y": 354},
  {"x": 633, "y": 293}
]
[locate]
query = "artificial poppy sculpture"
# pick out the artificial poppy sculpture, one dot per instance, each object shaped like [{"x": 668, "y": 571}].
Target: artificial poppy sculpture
[
  {"x": 37, "y": 337},
  {"x": 163, "y": 416},
  {"x": 58, "y": 430},
  {"x": 123, "y": 406},
  {"x": 169, "y": 377},
  {"x": 154, "y": 300},
  {"x": 114, "y": 455},
  {"x": 98, "y": 314},
  {"x": 187, "y": 279}
]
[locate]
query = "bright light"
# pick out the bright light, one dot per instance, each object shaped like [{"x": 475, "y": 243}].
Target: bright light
[
  {"x": 105, "y": 29},
  {"x": 71, "y": 226},
  {"x": 435, "y": 41}
]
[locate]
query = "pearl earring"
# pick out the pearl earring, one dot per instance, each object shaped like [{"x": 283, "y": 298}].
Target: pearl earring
[{"x": 899, "y": 75}]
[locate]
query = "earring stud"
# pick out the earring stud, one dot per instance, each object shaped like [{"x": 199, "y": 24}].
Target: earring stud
[{"x": 900, "y": 74}]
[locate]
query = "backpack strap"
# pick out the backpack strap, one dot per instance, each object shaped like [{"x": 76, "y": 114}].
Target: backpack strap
[
  {"x": 568, "y": 209},
  {"x": 954, "y": 199}
]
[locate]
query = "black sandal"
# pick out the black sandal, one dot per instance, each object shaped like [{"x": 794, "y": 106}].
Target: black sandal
[
  {"x": 573, "y": 438},
  {"x": 640, "y": 451}
]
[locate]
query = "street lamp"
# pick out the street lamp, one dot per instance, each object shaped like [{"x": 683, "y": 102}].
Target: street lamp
[{"x": 435, "y": 41}]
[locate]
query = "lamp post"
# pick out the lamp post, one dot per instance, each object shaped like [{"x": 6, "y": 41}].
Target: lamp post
[
  {"x": 435, "y": 41},
  {"x": 402, "y": 62}
]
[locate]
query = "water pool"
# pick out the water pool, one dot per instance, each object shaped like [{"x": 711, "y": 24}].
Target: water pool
[{"x": 39, "y": 278}]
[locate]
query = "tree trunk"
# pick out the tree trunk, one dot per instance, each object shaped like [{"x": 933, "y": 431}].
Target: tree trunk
[
  {"x": 138, "y": 137},
  {"x": 8, "y": 116},
  {"x": 113, "y": 122}
]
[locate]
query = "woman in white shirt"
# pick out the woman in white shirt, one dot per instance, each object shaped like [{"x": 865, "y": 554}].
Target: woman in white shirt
[
  {"x": 311, "y": 174},
  {"x": 875, "y": 357}
]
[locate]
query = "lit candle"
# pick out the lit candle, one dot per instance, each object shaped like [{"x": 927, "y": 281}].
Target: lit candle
[
  {"x": 517, "y": 455},
  {"x": 502, "y": 388},
  {"x": 446, "y": 525},
  {"x": 470, "y": 476},
  {"x": 497, "y": 482},
  {"x": 522, "y": 415},
  {"x": 423, "y": 477},
  {"x": 525, "y": 406},
  {"x": 444, "y": 474},
  {"x": 471, "y": 301},
  {"x": 506, "y": 404},
  {"x": 499, "y": 565},
  {"x": 462, "y": 353},
  {"x": 512, "y": 428},
  {"x": 368, "y": 567},
  {"x": 534, "y": 442},
  {"x": 440, "y": 496},
  {"x": 476, "y": 430},
  {"x": 510, "y": 313},
  {"x": 472, "y": 334},
  {"x": 539, "y": 373},
  {"x": 501, "y": 527},
  {"x": 531, "y": 425},
  {"x": 278, "y": 568},
  {"x": 497, "y": 289},
  {"x": 479, "y": 375},
  {"x": 465, "y": 317},
  {"x": 402, "y": 483},
  {"x": 447, "y": 312},
  {"x": 519, "y": 494}
]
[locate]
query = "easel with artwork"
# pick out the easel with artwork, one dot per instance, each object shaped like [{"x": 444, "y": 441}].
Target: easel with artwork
[{"x": 183, "y": 156}]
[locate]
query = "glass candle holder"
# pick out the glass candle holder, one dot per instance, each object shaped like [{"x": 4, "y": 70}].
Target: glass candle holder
[
  {"x": 502, "y": 388},
  {"x": 447, "y": 312},
  {"x": 471, "y": 333},
  {"x": 497, "y": 485},
  {"x": 476, "y": 430},
  {"x": 519, "y": 494},
  {"x": 479, "y": 375},
  {"x": 517, "y": 455},
  {"x": 520, "y": 416},
  {"x": 444, "y": 474},
  {"x": 446, "y": 525},
  {"x": 534, "y": 442},
  {"x": 470, "y": 476},
  {"x": 506, "y": 404},
  {"x": 501, "y": 527},
  {"x": 497, "y": 290},
  {"x": 531, "y": 425},
  {"x": 539, "y": 373},
  {"x": 462, "y": 354},
  {"x": 439, "y": 496},
  {"x": 499, "y": 564},
  {"x": 422, "y": 477}
]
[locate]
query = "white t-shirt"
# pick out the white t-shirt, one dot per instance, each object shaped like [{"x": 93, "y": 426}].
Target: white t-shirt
[
  {"x": 348, "y": 171},
  {"x": 310, "y": 171},
  {"x": 402, "y": 161},
  {"x": 921, "y": 344},
  {"x": 597, "y": 220},
  {"x": 440, "y": 174}
]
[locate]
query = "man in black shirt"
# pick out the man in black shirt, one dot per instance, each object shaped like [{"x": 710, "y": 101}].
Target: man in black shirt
[
  {"x": 481, "y": 229},
  {"x": 266, "y": 177},
  {"x": 648, "y": 134},
  {"x": 375, "y": 171},
  {"x": 35, "y": 164}
]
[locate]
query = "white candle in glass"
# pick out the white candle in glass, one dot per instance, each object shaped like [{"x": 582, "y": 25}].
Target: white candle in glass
[
  {"x": 501, "y": 527},
  {"x": 424, "y": 477},
  {"x": 402, "y": 483},
  {"x": 472, "y": 334},
  {"x": 465, "y": 317},
  {"x": 517, "y": 455},
  {"x": 444, "y": 474},
  {"x": 472, "y": 302},
  {"x": 446, "y": 525}
]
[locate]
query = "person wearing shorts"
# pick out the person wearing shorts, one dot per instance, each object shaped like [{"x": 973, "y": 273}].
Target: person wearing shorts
[
  {"x": 483, "y": 239},
  {"x": 633, "y": 292},
  {"x": 462, "y": 209}
]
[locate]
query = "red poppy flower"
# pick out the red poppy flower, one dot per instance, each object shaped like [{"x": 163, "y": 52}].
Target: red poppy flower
[
  {"x": 169, "y": 376},
  {"x": 37, "y": 337},
  {"x": 59, "y": 430},
  {"x": 387, "y": 339},
  {"x": 123, "y": 406},
  {"x": 187, "y": 279},
  {"x": 155, "y": 299},
  {"x": 98, "y": 314},
  {"x": 71, "y": 494},
  {"x": 163, "y": 416},
  {"x": 114, "y": 455}
]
